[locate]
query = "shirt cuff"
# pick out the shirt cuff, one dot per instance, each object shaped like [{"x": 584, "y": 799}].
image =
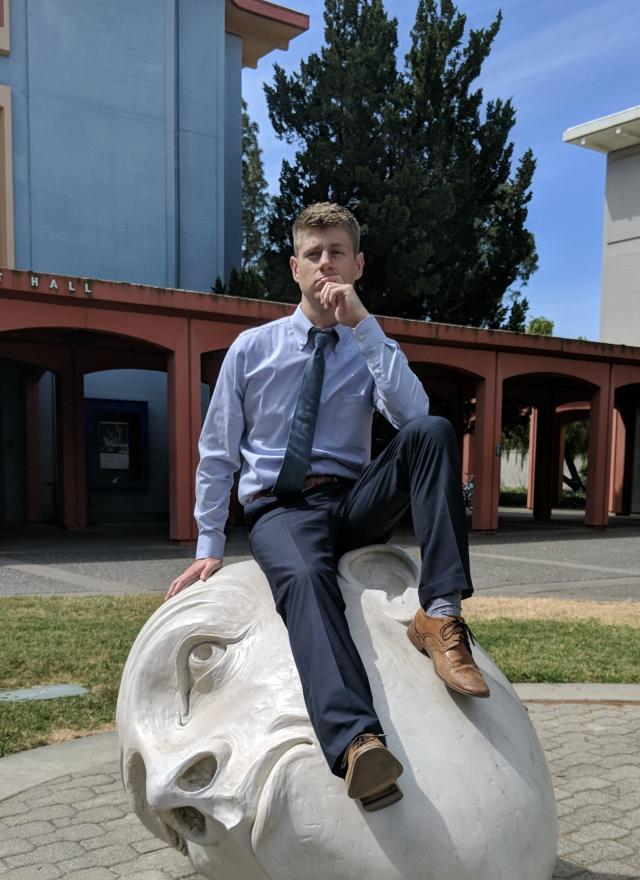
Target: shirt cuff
[
  {"x": 369, "y": 333},
  {"x": 210, "y": 544}
]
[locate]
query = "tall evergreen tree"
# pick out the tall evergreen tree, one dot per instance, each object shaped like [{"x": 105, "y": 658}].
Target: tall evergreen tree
[
  {"x": 255, "y": 196},
  {"x": 249, "y": 280},
  {"x": 426, "y": 171}
]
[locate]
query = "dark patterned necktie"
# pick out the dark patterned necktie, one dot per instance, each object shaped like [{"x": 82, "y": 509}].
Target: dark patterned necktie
[{"x": 298, "y": 454}]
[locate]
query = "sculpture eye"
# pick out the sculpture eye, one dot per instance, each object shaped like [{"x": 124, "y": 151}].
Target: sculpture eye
[
  {"x": 206, "y": 653},
  {"x": 201, "y": 667}
]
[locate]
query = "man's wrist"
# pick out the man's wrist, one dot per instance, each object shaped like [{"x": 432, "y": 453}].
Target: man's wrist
[
  {"x": 210, "y": 545},
  {"x": 359, "y": 319}
]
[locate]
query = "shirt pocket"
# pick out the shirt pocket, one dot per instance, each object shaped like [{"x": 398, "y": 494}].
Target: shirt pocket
[{"x": 351, "y": 416}]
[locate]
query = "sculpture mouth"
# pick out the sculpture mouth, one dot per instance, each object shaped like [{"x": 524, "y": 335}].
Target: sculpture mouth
[
  {"x": 302, "y": 744},
  {"x": 261, "y": 776}
]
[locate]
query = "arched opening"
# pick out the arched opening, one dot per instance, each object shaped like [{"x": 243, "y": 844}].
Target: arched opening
[
  {"x": 79, "y": 403},
  {"x": 544, "y": 454}
]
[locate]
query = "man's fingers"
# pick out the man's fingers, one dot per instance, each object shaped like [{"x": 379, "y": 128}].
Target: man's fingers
[
  {"x": 201, "y": 569},
  {"x": 209, "y": 569}
]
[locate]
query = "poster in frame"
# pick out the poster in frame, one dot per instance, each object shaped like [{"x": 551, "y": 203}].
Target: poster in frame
[{"x": 117, "y": 449}]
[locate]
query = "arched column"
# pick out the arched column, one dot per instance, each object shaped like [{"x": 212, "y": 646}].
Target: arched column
[
  {"x": 487, "y": 451},
  {"x": 71, "y": 446},
  {"x": 32, "y": 441},
  {"x": 181, "y": 441},
  {"x": 622, "y": 446},
  {"x": 531, "y": 459},
  {"x": 599, "y": 455}
]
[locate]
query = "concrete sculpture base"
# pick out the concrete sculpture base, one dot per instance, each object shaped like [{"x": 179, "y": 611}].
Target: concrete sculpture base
[{"x": 219, "y": 758}]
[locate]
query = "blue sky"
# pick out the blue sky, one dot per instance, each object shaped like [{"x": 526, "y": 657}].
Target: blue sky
[{"x": 562, "y": 63}]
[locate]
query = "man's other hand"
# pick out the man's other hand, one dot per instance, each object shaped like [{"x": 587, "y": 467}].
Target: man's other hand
[
  {"x": 200, "y": 570},
  {"x": 344, "y": 301}
]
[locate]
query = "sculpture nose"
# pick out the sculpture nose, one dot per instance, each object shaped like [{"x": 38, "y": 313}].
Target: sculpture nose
[
  {"x": 188, "y": 799},
  {"x": 169, "y": 790}
]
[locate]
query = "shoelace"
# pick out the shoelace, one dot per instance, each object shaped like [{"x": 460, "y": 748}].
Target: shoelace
[
  {"x": 458, "y": 627},
  {"x": 359, "y": 740}
]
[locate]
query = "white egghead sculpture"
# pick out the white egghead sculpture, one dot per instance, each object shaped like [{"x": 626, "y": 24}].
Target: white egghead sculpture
[{"x": 219, "y": 758}]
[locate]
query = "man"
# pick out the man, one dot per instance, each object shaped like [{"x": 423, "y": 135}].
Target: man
[{"x": 292, "y": 408}]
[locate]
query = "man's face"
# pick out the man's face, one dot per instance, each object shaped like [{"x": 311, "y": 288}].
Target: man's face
[{"x": 324, "y": 255}]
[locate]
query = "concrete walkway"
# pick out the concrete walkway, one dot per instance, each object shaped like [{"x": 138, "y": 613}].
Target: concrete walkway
[
  {"x": 63, "y": 813},
  {"x": 561, "y": 559}
]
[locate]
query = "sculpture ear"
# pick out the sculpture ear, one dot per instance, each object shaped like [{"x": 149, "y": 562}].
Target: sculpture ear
[{"x": 388, "y": 573}]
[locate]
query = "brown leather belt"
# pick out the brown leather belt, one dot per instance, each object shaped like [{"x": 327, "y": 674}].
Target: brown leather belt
[{"x": 309, "y": 483}]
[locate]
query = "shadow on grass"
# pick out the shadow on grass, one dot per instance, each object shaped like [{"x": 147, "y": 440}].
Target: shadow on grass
[{"x": 570, "y": 871}]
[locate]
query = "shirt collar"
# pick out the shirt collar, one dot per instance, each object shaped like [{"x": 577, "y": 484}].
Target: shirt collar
[{"x": 301, "y": 326}]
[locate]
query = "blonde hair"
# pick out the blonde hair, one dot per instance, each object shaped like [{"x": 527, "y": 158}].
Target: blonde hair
[{"x": 323, "y": 214}]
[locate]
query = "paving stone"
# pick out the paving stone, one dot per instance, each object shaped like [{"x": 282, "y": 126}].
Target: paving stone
[
  {"x": 12, "y": 807},
  {"x": 91, "y": 874},
  {"x": 597, "y": 831},
  {"x": 105, "y": 857},
  {"x": 614, "y": 869},
  {"x": 568, "y": 847},
  {"x": 100, "y": 814},
  {"x": 62, "y": 796},
  {"x": 14, "y": 846},
  {"x": 37, "y": 791},
  {"x": 55, "y": 811},
  {"x": 595, "y": 813},
  {"x": 118, "y": 837},
  {"x": 51, "y": 854},
  {"x": 149, "y": 844},
  {"x": 586, "y": 783},
  {"x": 89, "y": 780},
  {"x": 103, "y": 800},
  {"x": 160, "y": 860},
  {"x": 186, "y": 872},
  {"x": 630, "y": 819},
  {"x": 81, "y": 831},
  {"x": 128, "y": 821},
  {"x": 27, "y": 830},
  {"x": 147, "y": 875},
  {"x": 35, "y": 872},
  {"x": 44, "y": 839},
  {"x": 565, "y": 870},
  {"x": 603, "y": 850},
  {"x": 114, "y": 785}
]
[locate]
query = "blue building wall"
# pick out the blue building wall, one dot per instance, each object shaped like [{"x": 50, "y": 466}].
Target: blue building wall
[
  {"x": 127, "y": 165},
  {"x": 121, "y": 141}
]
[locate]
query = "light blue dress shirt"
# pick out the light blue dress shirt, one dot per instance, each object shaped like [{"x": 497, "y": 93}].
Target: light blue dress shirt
[{"x": 251, "y": 410}]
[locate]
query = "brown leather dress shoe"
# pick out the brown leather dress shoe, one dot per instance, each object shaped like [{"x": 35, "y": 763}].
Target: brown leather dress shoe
[
  {"x": 372, "y": 772},
  {"x": 447, "y": 641}
]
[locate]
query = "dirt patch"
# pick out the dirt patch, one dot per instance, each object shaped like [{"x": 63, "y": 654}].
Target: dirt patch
[
  {"x": 63, "y": 734},
  {"x": 483, "y": 608}
]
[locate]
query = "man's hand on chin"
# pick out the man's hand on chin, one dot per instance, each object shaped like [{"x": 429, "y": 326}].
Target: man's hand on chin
[
  {"x": 200, "y": 570},
  {"x": 344, "y": 301}
]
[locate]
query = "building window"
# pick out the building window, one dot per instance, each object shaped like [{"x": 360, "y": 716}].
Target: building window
[
  {"x": 6, "y": 180},
  {"x": 4, "y": 27}
]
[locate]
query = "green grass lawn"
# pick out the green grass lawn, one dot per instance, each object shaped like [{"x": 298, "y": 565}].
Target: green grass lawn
[{"x": 58, "y": 640}]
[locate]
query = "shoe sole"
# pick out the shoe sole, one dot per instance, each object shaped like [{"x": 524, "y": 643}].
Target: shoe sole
[
  {"x": 385, "y": 799},
  {"x": 417, "y": 642},
  {"x": 377, "y": 764}
]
